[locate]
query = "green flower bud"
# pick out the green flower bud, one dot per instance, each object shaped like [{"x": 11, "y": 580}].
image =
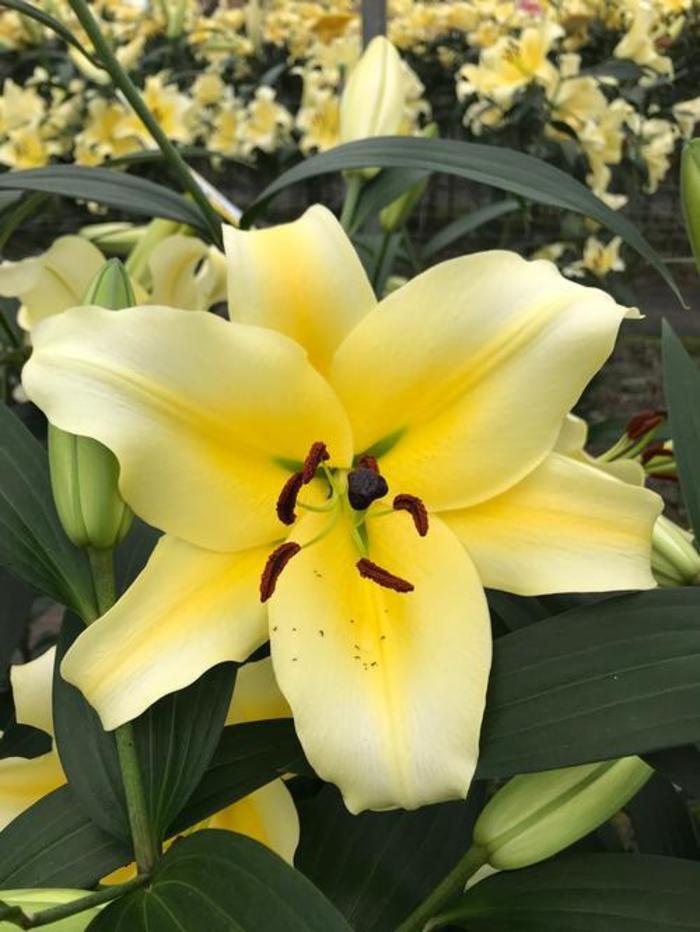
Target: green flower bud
[
  {"x": 536, "y": 815},
  {"x": 84, "y": 473},
  {"x": 690, "y": 195},
  {"x": 395, "y": 215},
  {"x": 674, "y": 559}
]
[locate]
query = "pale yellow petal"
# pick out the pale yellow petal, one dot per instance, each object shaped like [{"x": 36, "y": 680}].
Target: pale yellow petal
[
  {"x": 469, "y": 370},
  {"x": 567, "y": 527},
  {"x": 24, "y": 782},
  {"x": 302, "y": 278},
  {"x": 372, "y": 103},
  {"x": 268, "y": 815},
  {"x": 387, "y": 689},
  {"x": 182, "y": 274},
  {"x": 189, "y": 610},
  {"x": 54, "y": 281},
  {"x": 257, "y": 696},
  {"x": 202, "y": 414},
  {"x": 31, "y": 691},
  {"x": 572, "y": 441}
]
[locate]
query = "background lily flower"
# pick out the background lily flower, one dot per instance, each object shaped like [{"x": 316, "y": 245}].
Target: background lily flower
[
  {"x": 345, "y": 487},
  {"x": 268, "y": 814}
]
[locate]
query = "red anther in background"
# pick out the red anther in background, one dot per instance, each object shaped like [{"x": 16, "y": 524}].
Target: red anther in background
[
  {"x": 656, "y": 449},
  {"x": 417, "y": 510},
  {"x": 286, "y": 503},
  {"x": 382, "y": 577},
  {"x": 276, "y": 562},
  {"x": 643, "y": 423},
  {"x": 316, "y": 455}
]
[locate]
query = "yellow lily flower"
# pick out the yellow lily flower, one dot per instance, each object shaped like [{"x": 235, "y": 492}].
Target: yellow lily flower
[
  {"x": 418, "y": 435},
  {"x": 268, "y": 814}
]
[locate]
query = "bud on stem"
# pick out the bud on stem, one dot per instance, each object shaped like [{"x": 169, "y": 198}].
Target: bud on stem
[
  {"x": 690, "y": 195},
  {"x": 536, "y": 815},
  {"x": 84, "y": 473}
]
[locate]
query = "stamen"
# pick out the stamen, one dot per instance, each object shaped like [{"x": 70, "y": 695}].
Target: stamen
[
  {"x": 276, "y": 562},
  {"x": 656, "y": 449},
  {"x": 287, "y": 500},
  {"x": 317, "y": 454},
  {"x": 417, "y": 510},
  {"x": 370, "y": 570},
  {"x": 642, "y": 423},
  {"x": 369, "y": 462},
  {"x": 364, "y": 487}
]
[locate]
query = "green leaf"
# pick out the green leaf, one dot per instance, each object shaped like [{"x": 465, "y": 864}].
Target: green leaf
[
  {"x": 584, "y": 893},
  {"x": 219, "y": 881},
  {"x": 682, "y": 389},
  {"x": 54, "y": 843},
  {"x": 378, "y": 866},
  {"x": 55, "y": 25},
  {"x": 113, "y": 188},
  {"x": 16, "y": 601},
  {"x": 502, "y": 168},
  {"x": 175, "y": 740},
  {"x": 466, "y": 224},
  {"x": 382, "y": 190},
  {"x": 33, "y": 545},
  {"x": 660, "y": 821},
  {"x": 617, "y": 677}
]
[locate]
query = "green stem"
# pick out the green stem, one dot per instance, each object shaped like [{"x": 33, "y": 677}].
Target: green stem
[
  {"x": 122, "y": 80},
  {"x": 145, "y": 842},
  {"x": 377, "y": 278},
  {"x": 353, "y": 186},
  {"x": 55, "y": 913},
  {"x": 450, "y": 887}
]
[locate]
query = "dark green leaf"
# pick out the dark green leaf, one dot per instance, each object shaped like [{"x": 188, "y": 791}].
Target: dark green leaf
[
  {"x": 133, "y": 553},
  {"x": 55, "y": 844},
  {"x": 248, "y": 756},
  {"x": 659, "y": 821},
  {"x": 502, "y": 168},
  {"x": 175, "y": 739},
  {"x": 681, "y": 765},
  {"x": 219, "y": 881},
  {"x": 32, "y": 543},
  {"x": 113, "y": 188},
  {"x": 24, "y": 741},
  {"x": 617, "y": 677},
  {"x": 466, "y": 224},
  {"x": 584, "y": 893},
  {"x": 378, "y": 866},
  {"x": 15, "y": 603},
  {"x": 682, "y": 389},
  {"x": 45, "y": 19},
  {"x": 382, "y": 190}
]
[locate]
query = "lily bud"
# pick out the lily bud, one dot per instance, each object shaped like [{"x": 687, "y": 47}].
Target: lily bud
[
  {"x": 536, "y": 815},
  {"x": 395, "y": 215},
  {"x": 372, "y": 103},
  {"x": 690, "y": 195},
  {"x": 84, "y": 473},
  {"x": 674, "y": 559}
]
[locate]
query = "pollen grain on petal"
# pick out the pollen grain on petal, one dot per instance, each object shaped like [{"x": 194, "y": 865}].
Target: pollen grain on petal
[
  {"x": 276, "y": 562},
  {"x": 417, "y": 510},
  {"x": 370, "y": 570},
  {"x": 287, "y": 500},
  {"x": 317, "y": 454}
]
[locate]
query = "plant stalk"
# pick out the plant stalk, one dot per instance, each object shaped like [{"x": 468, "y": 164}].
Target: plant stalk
[
  {"x": 122, "y": 80},
  {"x": 54, "y": 913},
  {"x": 451, "y": 886},
  {"x": 145, "y": 842},
  {"x": 353, "y": 186}
]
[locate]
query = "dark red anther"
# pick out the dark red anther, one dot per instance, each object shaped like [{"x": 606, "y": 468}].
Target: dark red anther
[
  {"x": 286, "y": 503},
  {"x": 382, "y": 577},
  {"x": 643, "y": 423},
  {"x": 317, "y": 454},
  {"x": 417, "y": 510},
  {"x": 276, "y": 562},
  {"x": 656, "y": 449},
  {"x": 368, "y": 462}
]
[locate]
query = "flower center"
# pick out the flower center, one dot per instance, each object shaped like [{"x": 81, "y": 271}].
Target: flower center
[{"x": 356, "y": 489}]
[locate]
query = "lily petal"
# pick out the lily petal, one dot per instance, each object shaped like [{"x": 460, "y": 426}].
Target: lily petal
[
  {"x": 572, "y": 442},
  {"x": 469, "y": 370},
  {"x": 23, "y": 782},
  {"x": 189, "y": 610},
  {"x": 257, "y": 696},
  {"x": 567, "y": 527},
  {"x": 387, "y": 688},
  {"x": 185, "y": 273},
  {"x": 268, "y": 815},
  {"x": 302, "y": 278},
  {"x": 31, "y": 691},
  {"x": 201, "y": 413}
]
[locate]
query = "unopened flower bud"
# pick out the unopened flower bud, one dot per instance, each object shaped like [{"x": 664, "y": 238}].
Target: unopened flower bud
[
  {"x": 536, "y": 815},
  {"x": 84, "y": 473},
  {"x": 372, "y": 103},
  {"x": 690, "y": 195},
  {"x": 674, "y": 559},
  {"x": 395, "y": 215}
]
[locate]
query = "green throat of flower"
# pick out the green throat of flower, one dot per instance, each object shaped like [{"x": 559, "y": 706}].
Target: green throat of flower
[{"x": 349, "y": 491}]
